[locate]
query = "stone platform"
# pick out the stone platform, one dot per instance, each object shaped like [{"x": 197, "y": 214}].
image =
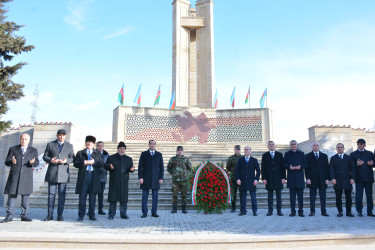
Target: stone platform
[{"x": 192, "y": 230}]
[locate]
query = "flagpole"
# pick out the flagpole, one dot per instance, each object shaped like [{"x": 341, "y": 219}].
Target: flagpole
[
  {"x": 267, "y": 99},
  {"x": 249, "y": 96}
]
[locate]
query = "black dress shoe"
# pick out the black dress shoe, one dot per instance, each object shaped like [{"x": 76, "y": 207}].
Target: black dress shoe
[
  {"x": 340, "y": 214},
  {"x": 173, "y": 211},
  {"x": 60, "y": 218},
  {"x": 124, "y": 217},
  {"x": 93, "y": 218},
  {"x": 371, "y": 215},
  {"x": 7, "y": 219},
  {"x": 351, "y": 215},
  {"x": 101, "y": 212},
  {"x": 24, "y": 218},
  {"x": 233, "y": 210},
  {"x": 255, "y": 214},
  {"x": 241, "y": 214},
  {"x": 48, "y": 218},
  {"x": 312, "y": 214},
  {"x": 184, "y": 211},
  {"x": 144, "y": 216},
  {"x": 155, "y": 215},
  {"x": 301, "y": 215},
  {"x": 280, "y": 214},
  {"x": 110, "y": 218},
  {"x": 360, "y": 214},
  {"x": 292, "y": 214},
  {"x": 269, "y": 214},
  {"x": 325, "y": 214},
  {"x": 79, "y": 219}
]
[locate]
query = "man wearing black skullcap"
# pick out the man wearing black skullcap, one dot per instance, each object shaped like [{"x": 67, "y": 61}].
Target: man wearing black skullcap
[
  {"x": 58, "y": 154},
  {"x": 364, "y": 162},
  {"x": 119, "y": 166},
  {"x": 89, "y": 162}
]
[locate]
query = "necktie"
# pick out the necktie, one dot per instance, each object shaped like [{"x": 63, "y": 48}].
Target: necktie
[
  {"x": 272, "y": 154},
  {"x": 89, "y": 167},
  {"x": 152, "y": 153},
  {"x": 247, "y": 159},
  {"x": 341, "y": 157},
  {"x": 316, "y": 156},
  {"x": 23, "y": 150},
  {"x": 60, "y": 147}
]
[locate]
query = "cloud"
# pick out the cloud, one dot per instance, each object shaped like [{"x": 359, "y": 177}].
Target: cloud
[
  {"x": 77, "y": 13},
  {"x": 120, "y": 32},
  {"x": 87, "y": 106}
]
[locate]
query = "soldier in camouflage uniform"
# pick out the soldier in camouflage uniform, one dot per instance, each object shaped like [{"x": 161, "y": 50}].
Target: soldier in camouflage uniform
[
  {"x": 231, "y": 166},
  {"x": 179, "y": 167}
]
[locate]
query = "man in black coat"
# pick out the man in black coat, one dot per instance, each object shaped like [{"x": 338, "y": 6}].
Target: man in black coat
[
  {"x": 273, "y": 176},
  {"x": 295, "y": 163},
  {"x": 317, "y": 177},
  {"x": 343, "y": 174},
  {"x": 119, "y": 166},
  {"x": 58, "y": 154},
  {"x": 150, "y": 175},
  {"x": 21, "y": 159},
  {"x": 89, "y": 162},
  {"x": 364, "y": 162},
  {"x": 103, "y": 176},
  {"x": 247, "y": 174}
]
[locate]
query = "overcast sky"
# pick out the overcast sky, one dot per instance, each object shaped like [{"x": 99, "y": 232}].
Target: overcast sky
[{"x": 316, "y": 57}]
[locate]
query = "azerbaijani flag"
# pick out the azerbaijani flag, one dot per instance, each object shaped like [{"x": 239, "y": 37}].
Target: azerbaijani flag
[
  {"x": 120, "y": 97},
  {"x": 172, "y": 104},
  {"x": 157, "y": 97},
  {"x": 232, "y": 98},
  {"x": 247, "y": 96},
  {"x": 263, "y": 98},
  {"x": 215, "y": 100},
  {"x": 137, "y": 98}
]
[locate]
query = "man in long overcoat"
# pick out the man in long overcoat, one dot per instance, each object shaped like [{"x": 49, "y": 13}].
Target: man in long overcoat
[
  {"x": 364, "y": 162},
  {"x": 247, "y": 174},
  {"x": 295, "y": 163},
  {"x": 58, "y": 154},
  {"x": 119, "y": 166},
  {"x": 343, "y": 175},
  {"x": 89, "y": 162},
  {"x": 273, "y": 176},
  {"x": 21, "y": 159},
  {"x": 317, "y": 177},
  {"x": 150, "y": 175}
]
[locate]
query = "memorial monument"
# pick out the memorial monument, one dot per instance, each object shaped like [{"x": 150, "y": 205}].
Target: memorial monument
[{"x": 193, "y": 80}]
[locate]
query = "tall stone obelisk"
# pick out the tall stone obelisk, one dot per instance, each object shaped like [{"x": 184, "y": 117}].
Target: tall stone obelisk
[{"x": 193, "y": 74}]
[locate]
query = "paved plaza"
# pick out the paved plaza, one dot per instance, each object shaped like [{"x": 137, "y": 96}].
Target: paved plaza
[{"x": 194, "y": 227}]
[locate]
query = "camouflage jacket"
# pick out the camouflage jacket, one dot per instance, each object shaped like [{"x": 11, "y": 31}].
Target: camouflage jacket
[
  {"x": 231, "y": 164},
  {"x": 179, "y": 168}
]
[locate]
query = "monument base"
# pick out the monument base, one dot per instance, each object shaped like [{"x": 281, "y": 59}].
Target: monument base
[{"x": 192, "y": 124}]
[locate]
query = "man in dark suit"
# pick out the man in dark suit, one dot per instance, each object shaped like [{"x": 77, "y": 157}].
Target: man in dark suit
[
  {"x": 247, "y": 174},
  {"x": 89, "y": 162},
  {"x": 103, "y": 176},
  {"x": 364, "y": 162},
  {"x": 295, "y": 163},
  {"x": 150, "y": 175},
  {"x": 317, "y": 177},
  {"x": 343, "y": 174},
  {"x": 21, "y": 159},
  {"x": 273, "y": 176},
  {"x": 58, "y": 154}
]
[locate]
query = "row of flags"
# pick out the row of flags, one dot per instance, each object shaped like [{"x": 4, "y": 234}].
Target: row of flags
[{"x": 172, "y": 104}]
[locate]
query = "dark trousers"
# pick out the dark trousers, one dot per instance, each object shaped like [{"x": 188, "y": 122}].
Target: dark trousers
[
  {"x": 155, "y": 194},
  {"x": 12, "y": 200},
  {"x": 101, "y": 197},
  {"x": 278, "y": 200},
  {"x": 60, "y": 188},
  {"x": 322, "y": 197},
  {"x": 348, "y": 201},
  {"x": 87, "y": 190},
  {"x": 254, "y": 205},
  {"x": 367, "y": 186},
  {"x": 293, "y": 192},
  {"x": 112, "y": 208}
]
